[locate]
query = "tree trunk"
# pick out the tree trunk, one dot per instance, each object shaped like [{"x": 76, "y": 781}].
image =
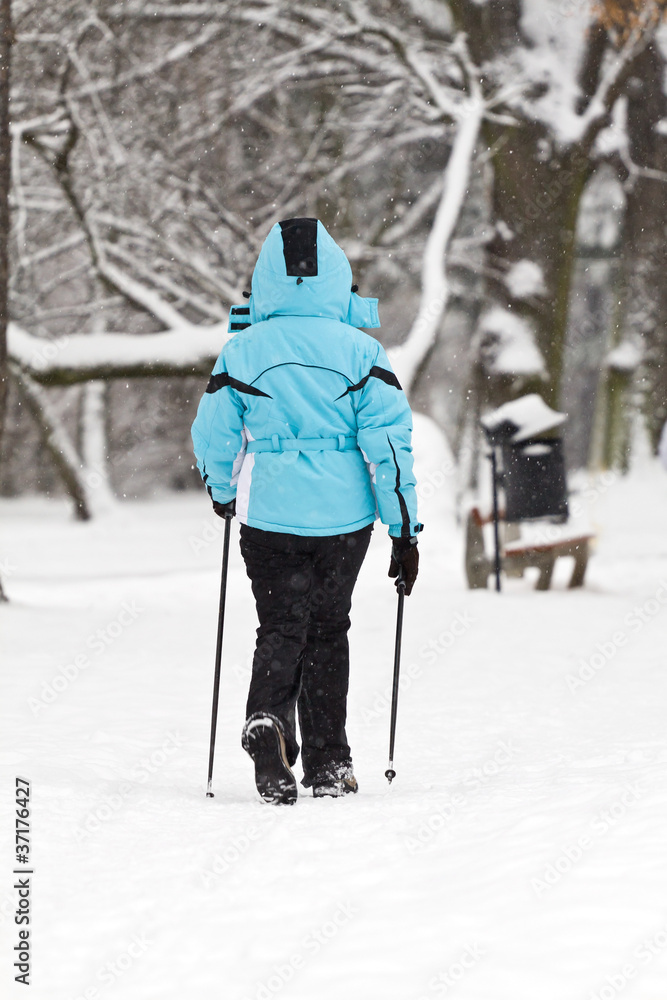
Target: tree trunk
[
  {"x": 640, "y": 295},
  {"x": 536, "y": 198},
  {"x": 535, "y": 202},
  {"x": 643, "y": 285},
  {"x": 94, "y": 447},
  {"x": 538, "y": 184},
  {"x": 411, "y": 357},
  {"x": 5, "y": 162},
  {"x": 57, "y": 443}
]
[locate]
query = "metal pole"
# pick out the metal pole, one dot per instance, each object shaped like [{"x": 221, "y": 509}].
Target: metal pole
[
  {"x": 390, "y": 774},
  {"x": 218, "y": 653},
  {"x": 496, "y": 534}
]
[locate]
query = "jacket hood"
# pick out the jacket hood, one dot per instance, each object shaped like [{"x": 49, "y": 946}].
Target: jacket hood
[{"x": 301, "y": 271}]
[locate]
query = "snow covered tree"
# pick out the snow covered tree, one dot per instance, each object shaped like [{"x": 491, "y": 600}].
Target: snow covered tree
[
  {"x": 157, "y": 142},
  {"x": 569, "y": 70},
  {"x": 643, "y": 294}
]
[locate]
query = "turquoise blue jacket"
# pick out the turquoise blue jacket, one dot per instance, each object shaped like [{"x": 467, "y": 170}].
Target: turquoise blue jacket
[{"x": 303, "y": 420}]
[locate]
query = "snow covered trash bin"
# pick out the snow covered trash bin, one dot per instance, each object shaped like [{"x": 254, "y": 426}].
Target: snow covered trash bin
[{"x": 529, "y": 484}]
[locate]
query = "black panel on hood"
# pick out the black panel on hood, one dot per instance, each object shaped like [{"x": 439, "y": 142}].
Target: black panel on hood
[{"x": 300, "y": 247}]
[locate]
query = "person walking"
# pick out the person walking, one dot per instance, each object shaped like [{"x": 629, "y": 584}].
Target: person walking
[{"x": 304, "y": 433}]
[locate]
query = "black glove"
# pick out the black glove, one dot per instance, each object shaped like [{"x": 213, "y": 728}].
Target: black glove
[
  {"x": 225, "y": 509},
  {"x": 404, "y": 562}
]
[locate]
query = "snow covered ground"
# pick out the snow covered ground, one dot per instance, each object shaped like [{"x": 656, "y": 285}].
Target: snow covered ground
[{"x": 519, "y": 853}]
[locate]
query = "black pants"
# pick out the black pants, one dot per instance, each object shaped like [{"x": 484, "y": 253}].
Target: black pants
[{"x": 303, "y": 590}]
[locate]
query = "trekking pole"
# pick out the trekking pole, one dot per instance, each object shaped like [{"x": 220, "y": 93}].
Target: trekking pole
[
  {"x": 218, "y": 653},
  {"x": 390, "y": 774}
]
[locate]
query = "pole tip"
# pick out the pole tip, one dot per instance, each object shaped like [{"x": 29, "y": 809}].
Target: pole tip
[
  {"x": 210, "y": 795},
  {"x": 390, "y": 775}
]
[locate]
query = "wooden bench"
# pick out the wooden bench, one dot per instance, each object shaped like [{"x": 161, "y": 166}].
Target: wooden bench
[{"x": 517, "y": 555}]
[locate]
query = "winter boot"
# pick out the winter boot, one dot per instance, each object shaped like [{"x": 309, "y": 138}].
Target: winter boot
[
  {"x": 263, "y": 739},
  {"x": 335, "y": 780}
]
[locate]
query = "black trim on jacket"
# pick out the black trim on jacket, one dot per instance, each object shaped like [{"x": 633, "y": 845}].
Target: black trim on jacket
[
  {"x": 376, "y": 372},
  {"x": 405, "y": 517},
  {"x": 224, "y": 378}
]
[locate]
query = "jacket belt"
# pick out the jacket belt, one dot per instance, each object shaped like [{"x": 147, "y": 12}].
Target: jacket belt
[{"x": 278, "y": 444}]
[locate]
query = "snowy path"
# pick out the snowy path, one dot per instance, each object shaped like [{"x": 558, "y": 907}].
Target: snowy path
[{"x": 520, "y": 852}]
